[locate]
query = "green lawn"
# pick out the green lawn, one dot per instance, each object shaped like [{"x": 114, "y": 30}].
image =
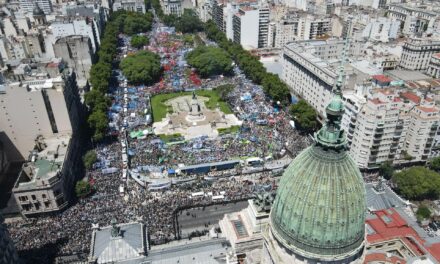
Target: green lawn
[
  {"x": 160, "y": 110},
  {"x": 170, "y": 138},
  {"x": 229, "y": 130}
]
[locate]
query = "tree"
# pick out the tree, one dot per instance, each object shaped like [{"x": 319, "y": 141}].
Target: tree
[
  {"x": 136, "y": 23},
  {"x": 139, "y": 41},
  {"x": 210, "y": 61},
  {"x": 188, "y": 39},
  {"x": 89, "y": 159},
  {"x": 82, "y": 188},
  {"x": 142, "y": 67},
  {"x": 434, "y": 164},
  {"x": 170, "y": 20},
  {"x": 100, "y": 74},
  {"x": 189, "y": 22},
  {"x": 386, "y": 170},
  {"x": 304, "y": 115},
  {"x": 98, "y": 121},
  {"x": 224, "y": 90},
  {"x": 423, "y": 212},
  {"x": 275, "y": 88},
  {"x": 96, "y": 100},
  {"x": 418, "y": 183}
]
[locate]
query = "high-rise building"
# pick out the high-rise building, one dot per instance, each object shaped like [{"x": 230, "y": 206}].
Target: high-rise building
[
  {"x": 263, "y": 26},
  {"x": 378, "y": 130},
  {"x": 318, "y": 215},
  {"x": 392, "y": 125},
  {"x": 246, "y": 27}
]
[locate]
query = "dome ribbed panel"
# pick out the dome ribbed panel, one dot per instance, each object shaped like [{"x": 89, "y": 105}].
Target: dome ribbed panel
[{"x": 320, "y": 203}]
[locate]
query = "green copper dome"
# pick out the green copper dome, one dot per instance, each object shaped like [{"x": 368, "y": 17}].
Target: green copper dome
[
  {"x": 319, "y": 210},
  {"x": 320, "y": 204}
]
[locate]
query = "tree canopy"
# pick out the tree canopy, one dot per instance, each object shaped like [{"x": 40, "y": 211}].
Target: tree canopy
[
  {"x": 99, "y": 123},
  {"x": 82, "y": 188},
  {"x": 386, "y": 170},
  {"x": 210, "y": 61},
  {"x": 132, "y": 23},
  {"x": 188, "y": 22},
  {"x": 304, "y": 115},
  {"x": 139, "y": 41},
  {"x": 89, "y": 159},
  {"x": 224, "y": 90},
  {"x": 274, "y": 88},
  {"x": 434, "y": 164},
  {"x": 423, "y": 212},
  {"x": 142, "y": 67},
  {"x": 418, "y": 183}
]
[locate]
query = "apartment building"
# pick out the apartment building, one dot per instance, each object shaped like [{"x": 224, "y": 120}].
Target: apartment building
[
  {"x": 245, "y": 27},
  {"x": 129, "y": 5},
  {"x": 381, "y": 29},
  {"x": 378, "y": 130},
  {"x": 263, "y": 26},
  {"x": 223, "y": 13},
  {"x": 283, "y": 31},
  {"x": 423, "y": 122},
  {"x": 46, "y": 181},
  {"x": 395, "y": 125},
  {"x": 434, "y": 66},
  {"x": 417, "y": 53},
  {"x": 415, "y": 20},
  {"x": 315, "y": 27},
  {"x": 353, "y": 102},
  {"x": 172, "y": 7}
]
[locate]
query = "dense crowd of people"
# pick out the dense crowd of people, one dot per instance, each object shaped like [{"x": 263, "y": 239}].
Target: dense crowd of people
[{"x": 266, "y": 131}]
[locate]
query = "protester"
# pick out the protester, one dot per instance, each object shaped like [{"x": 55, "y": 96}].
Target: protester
[{"x": 265, "y": 133}]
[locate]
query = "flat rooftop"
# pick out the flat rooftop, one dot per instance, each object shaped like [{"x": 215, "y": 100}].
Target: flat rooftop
[
  {"x": 206, "y": 251},
  {"x": 406, "y": 75},
  {"x": 45, "y": 161}
]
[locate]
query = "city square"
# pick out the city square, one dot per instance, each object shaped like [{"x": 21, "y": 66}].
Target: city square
[{"x": 214, "y": 132}]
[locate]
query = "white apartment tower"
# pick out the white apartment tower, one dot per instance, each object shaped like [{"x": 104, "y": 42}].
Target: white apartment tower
[
  {"x": 263, "y": 26},
  {"x": 246, "y": 27},
  {"x": 378, "y": 130},
  {"x": 396, "y": 126}
]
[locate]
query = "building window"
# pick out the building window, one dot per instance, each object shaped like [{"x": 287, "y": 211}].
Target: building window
[{"x": 33, "y": 197}]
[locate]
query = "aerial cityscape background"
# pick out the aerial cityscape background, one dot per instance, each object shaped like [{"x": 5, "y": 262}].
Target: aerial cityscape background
[{"x": 220, "y": 131}]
